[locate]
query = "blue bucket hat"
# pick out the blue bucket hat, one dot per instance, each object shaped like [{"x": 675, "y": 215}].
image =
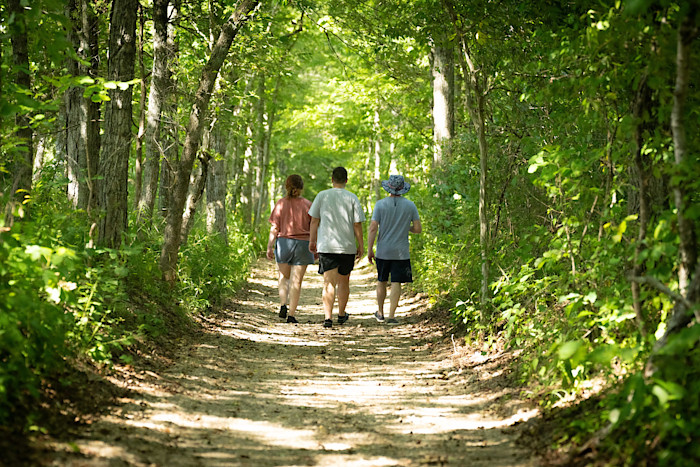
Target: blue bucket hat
[{"x": 396, "y": 185}]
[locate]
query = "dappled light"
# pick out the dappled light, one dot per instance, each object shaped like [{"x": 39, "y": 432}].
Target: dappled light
[
  {"x": 259, "y": 391},
  {"x": 527, "y": 172}
]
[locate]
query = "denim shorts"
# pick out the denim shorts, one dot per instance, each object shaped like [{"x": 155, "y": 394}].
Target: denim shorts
[
  {"x": 294, "y": 252},
  {"x": 400, "y": 270}
]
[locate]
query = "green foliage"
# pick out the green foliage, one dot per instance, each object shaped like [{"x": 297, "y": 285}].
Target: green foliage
[
  {"x": 212, "y": 270},
  {"x": 652, "y": 420},
  {"x": 35, "y": 282}
]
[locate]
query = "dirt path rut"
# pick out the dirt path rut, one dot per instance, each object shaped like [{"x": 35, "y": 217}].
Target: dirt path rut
[{"x": 254, "y": 390}]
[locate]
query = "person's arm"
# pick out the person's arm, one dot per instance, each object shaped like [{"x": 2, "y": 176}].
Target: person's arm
[
  {"x": 371, "y": 236},
  {"x": 274, "y": 231},
  {"x": 416, "y": 227},
  {"x": 360, "y": 241},
  {"x": 313, "y": 233}
]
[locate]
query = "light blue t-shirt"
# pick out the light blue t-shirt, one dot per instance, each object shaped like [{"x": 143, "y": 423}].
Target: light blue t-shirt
[
  {"x": 394, "y": 215},
  {"x": 338, "y": 210}
]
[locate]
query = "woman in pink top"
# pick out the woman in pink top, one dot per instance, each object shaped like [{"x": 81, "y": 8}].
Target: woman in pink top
[{"x": 289, "y": 244}]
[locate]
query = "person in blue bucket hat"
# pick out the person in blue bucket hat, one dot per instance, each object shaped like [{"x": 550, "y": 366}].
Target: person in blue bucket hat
[{"x": 392, "y": 220}]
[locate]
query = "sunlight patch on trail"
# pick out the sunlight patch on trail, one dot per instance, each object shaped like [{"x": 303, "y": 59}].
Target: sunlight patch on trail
[{"x": 262, "y": 431}]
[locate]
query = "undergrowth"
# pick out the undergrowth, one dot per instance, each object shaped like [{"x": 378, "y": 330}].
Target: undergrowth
[{"x": 64, "y": 303}]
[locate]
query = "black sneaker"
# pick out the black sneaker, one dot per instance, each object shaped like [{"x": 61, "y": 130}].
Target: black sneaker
[
  {"x": 291, "y": 319},
  {"x": 343, "y": 319},
  {"x": 283, "y": 311},
  {"x": 328, "y": 323}
]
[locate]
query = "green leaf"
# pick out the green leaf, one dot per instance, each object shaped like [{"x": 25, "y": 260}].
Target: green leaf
[{"x": 568, "y": 349}]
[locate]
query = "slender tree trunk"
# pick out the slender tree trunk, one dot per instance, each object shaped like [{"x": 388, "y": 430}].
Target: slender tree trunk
[
  {"x": 237, "y": 173},
  {"x": 443, "y": 99},
  {"x": 475, "y": 103},
  {"x": 267, "y": 137},
  {"x": 168, "y": 143},
  {"x": 90, "y": 37},
  {"x": 171, "y": 242},
  {"x": 138, "y": 166},
  {"x": 689, "y": 268},
  {"x": 377, "y": 155},
  {"x": 259, "y": 149},
  {"x": 158, "y": 95},
  {"x": 641, "y": 108},
  {"x": 247, "y": 176},
  {"x": 216, "y": 185},
  {"x": 24, "y": 156},
  {"x": 76, "y": 115},
  {"x": 114, "y": 161},
  {"x": 686, "y": 230},
  {"x": 238, "y": 147},
  {"x": 198, "y": 182}
]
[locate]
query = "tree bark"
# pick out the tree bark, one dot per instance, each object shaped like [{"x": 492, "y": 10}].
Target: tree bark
[
  {"x": 90, "y": 36},
  {"x": 171, "y": 242},
  {"x": 24, "y": 156},
  {"x": 114, "y": 161},
  {"x": 239, "y": 147},
  {"x": 475, "y": 103},
  {"x": 196, "y": 191},
  {"x": 216, "y": 185},
  {"x": 686, "y": 230},
  {"x": 138, "y": 165},
  {"x": 642, "y": 107},
  {"x": 157, "y": 96},
  {"x": 259, "y": 149},
  {"x": 377, "y": 155},
  {"x": 689, "y": 268},
  {"x": 443, "y": 99},
  {"x": 168, "y": 146},
  {"x": 76, "y": 115}
]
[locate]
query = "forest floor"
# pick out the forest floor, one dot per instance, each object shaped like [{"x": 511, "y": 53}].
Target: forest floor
[{"x": 251, "y": 389}]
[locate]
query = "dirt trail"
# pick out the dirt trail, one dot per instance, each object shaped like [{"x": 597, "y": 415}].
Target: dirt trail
[{"x": 257, "y": 391}]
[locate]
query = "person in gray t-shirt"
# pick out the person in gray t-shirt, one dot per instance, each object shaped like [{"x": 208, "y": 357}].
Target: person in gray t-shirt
[
  {"x": 336, "y": 224},
  {"x": 393, "y": 217}
]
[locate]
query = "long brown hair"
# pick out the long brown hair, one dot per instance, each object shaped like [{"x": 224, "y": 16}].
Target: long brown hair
[{"x": 294, "y": 185}]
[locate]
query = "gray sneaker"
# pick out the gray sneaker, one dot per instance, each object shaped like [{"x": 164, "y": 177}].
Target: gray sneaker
[
  {"x": 378, "y": 317},
  {"x": 392, "y": 321}
]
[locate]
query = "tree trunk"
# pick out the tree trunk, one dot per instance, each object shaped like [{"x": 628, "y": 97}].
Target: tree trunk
[
  {"x": 642, "y": 107},
  {"x": 24, "y": 155},
  {"x": 158, "y": 95},
  {"x": 474, "y": 101},
  {"x": 168, "y": 144},
  {"x": 443, "y": 99},
  {"x": 198, "y": 182},
  {"x": 689, "y": 268},
  {"x": 90, "y": 36},
  {"x": 171, "y": 242},
  {"x": 686, "y": 230},
  {"x": 76, "y": 115},
  {"x": 216, "y": 185},
  {"x": 114, "y": 161},
  {"x": 238, "y": 147},
  {"x": 138, "y": 165},
  {"x": 377, "y": 153},
  {"x": 259, "y": 149}
]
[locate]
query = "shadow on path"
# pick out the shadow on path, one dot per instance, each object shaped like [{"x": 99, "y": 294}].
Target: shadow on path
[{"x": 257, "y": 391}]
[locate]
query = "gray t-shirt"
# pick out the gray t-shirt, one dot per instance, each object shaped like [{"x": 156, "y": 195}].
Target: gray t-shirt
[
  {"x": 338, "y": 210},
  {"x": 394, "y": 215}
]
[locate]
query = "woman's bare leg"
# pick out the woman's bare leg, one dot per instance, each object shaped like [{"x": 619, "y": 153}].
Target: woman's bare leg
[{"x": 295, "y": 279}]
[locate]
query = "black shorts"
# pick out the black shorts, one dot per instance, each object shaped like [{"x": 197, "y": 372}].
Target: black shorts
[
  {"x": 400, "y": 270},
  {"x": 329, "y": 261}
]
